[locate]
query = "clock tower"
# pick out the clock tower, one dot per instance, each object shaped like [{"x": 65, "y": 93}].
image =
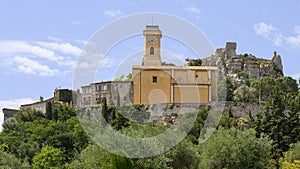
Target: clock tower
[{"x": 152, "y": 36}]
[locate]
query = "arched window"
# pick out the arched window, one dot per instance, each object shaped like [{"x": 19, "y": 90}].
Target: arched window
[{"x": 151, "y": 51}]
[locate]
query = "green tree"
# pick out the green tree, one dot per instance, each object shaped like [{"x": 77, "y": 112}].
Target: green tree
[
  {"x": 195, "y": 131},
  {"x": 25, "y": 139},
  {"x": 225, "y": 90},
  {"x": 95, "y": 157},
  {"x": 116, "y": 162},
  {"x": 9, "y": 161},
  {"x": 29, "y": 115},
  {"x": 167, "y": 64},
  {"x": 10, "y": 125},
  {"x": 265, "y": 88},
  {"x": 104, "y": 109},
  {"x": 90, "y": 157},
  {"x": 64, "y": 113},
  {"x": 228, "y": 120},
  {"x": 291, "y": 158},
  {"x": 123, "y": 77},
  {"x": 49, "y": 112},
  {"x": 280, "y": 124},
  {"x": 233, "y": 148},
  {"x": 244, "y": 94},
  {"x": 49, "y": 157}
]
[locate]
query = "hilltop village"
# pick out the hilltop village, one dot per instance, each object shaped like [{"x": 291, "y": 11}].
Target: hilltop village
[
  {"x": 154, "y": 83},
  {"x": 228, "y": 110}
]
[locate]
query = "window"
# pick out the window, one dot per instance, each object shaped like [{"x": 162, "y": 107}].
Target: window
[
  {"x": 126, "y": 86},
  {"x": 154, "y": 79},
  {"x": 116, "y": 86},
  {"x": 151, "y": 51},
  {"x": 104, "y": 87}
]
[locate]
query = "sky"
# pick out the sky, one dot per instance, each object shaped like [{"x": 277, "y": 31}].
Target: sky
[{"x": 41, "y": 41}]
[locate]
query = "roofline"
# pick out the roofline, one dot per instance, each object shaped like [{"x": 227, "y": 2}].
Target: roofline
[
  {"x": 52, "y": 98},
  {"x": 106, "y": 82},
  {"x": 176, "y": 67},
  {"x": 9, "y": 109}
]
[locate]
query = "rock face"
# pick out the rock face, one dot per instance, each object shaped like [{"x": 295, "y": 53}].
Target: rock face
[{"x": 241, "y": 66}]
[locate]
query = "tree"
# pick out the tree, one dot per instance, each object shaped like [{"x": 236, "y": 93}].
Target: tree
[
  {"x": 116, "y": 162},
  {"x": 25, "y": 138},
  {"x": 167, "y": 64},
  {"x": 49, "y": 112},
  {"x": 29, "y": 115},
  {"x": 225, "y": 90},
  {"x": 291, "y": 158},
  {"x": 265, "y": 88},
  {"x": 10, "y": 161},
  {"x": 193, "y": 62},
  {"x": 65, "y": 112},
  {"x": 95, "y": 157},
  {"x": 123, "y": 77},
  {"x": 233, "y": 148},
  {"x": 244, "y": 94},
  {"x": 104, "y": 109},
  {"x": 195, "y": 131},
  {"x": 49, "y": 157},
  {"x": 279, "y": 123},
  {"x": 10, "y": 125}
]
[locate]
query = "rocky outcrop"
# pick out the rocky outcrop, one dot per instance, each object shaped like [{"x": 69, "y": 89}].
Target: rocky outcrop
[{"x": 241, "y": 66}]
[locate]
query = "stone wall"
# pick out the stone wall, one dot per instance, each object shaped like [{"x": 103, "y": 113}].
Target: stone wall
[
  {"x": 9, "y": 113},
  {"x": 158, "y": 112}
]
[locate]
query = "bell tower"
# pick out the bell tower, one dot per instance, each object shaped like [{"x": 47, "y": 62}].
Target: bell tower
[{"x": 152, "y": 36}]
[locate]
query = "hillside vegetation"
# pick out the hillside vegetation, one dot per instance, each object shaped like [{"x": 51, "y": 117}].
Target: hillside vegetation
[{"x": 267, "y": 139}]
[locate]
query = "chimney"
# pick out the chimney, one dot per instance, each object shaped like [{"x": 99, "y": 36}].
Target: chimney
[{"x": 41, "y": 98}]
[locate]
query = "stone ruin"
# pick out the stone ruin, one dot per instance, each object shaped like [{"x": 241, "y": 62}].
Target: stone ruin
[{"x": 241, "y": 66}]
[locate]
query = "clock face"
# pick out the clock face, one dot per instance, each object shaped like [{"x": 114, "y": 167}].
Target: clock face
[{"x": 151, "y": 39}]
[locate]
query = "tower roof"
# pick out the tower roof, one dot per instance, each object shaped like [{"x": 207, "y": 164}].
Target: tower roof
[{"x": 152, "y": 29}]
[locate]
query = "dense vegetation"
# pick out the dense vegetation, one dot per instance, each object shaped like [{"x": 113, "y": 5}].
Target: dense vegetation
[{"x": 267, "y": 139}]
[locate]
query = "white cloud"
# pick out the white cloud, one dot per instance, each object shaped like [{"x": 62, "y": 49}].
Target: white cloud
[
  {"x": 297, "y": 30},
  {"x": 194, "y": 10},
  {"x": 264, "y": 29},
  {"x": 112, "y": 13},
  {"x": 294, "y": 40},
  {"x": 108, "y": 63},
  {"x": 29, "y": 66},
  {"x": 15, "y": 103},
  {"x": 54, "y": 39},
  {"x": 272, "y": 33},
  {"x": 20, "y": 47},
  {"x": 14, "y": 47},
  {"x": 35, "y": 58},
  {"x": 83, "y": 42},
  {"x": 66, "y": 48}
]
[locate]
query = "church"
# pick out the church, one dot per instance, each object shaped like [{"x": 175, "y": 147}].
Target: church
[{"x": 154, "y": 83}]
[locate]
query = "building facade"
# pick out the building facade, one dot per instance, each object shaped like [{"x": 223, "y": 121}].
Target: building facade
[
  {"x": 60, "y": 96},
  {"x": 115, "y": 92},
  {"x": 154, "y": 83},
  {"x": 9, "y": 113},
  {"x": 174, "y": 84}
]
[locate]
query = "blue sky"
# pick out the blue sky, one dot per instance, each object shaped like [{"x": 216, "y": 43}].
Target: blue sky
[{"x": 40, "y": 41}]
